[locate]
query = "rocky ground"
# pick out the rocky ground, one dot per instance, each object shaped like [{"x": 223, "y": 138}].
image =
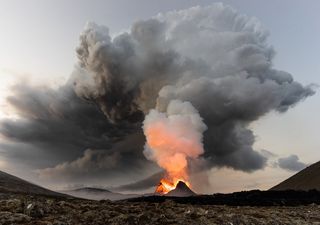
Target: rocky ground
[{"x": 26, "y": 209}]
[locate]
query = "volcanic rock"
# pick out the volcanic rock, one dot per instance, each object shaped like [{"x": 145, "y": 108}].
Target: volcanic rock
[
  {"x": 163, "y": 210},
  {"x": 306, "y": 179},
  {"x": 181, "y": 190}
]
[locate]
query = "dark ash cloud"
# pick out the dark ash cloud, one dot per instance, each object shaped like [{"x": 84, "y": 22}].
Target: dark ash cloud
[
  {"x": 143, "y": 184},
  {"x": 213, "y": 57},
  {"x": 124, "y": 158},
  {"x": 70, "y": 138},
  {"x": 291, "y": 163}
]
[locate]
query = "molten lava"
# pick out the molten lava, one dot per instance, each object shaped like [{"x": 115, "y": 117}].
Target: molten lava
[
  {"x": 166, "y": 186},
  {"x": 173, "y": 139}
]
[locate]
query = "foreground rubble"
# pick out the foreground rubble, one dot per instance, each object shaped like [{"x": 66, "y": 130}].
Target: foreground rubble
[{"x": 25, "y": 209}]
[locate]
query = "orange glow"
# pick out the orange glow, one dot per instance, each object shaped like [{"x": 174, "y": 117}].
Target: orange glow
[
  {"x": 173, "y": 139},
  {"x": 171, "y": 149},
  {"x": 166, "y": 186}
]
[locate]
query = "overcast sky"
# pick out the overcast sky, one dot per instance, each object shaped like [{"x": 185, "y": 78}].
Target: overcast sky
[{"x": 38, "y": 40}]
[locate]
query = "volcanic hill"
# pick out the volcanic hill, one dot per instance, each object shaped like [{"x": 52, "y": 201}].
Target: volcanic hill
[
  {"x": 306, "y": 179},
  {"x": 13, "y": 184},
  {"x": 181, "y": 190}
]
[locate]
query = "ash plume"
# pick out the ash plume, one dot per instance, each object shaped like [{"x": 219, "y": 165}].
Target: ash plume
[
  {"x": 71, "y": 138},
  {"x": 214, "y": 58}
]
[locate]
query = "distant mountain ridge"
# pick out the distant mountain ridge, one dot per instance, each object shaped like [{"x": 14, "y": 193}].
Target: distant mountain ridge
[
  {"x": 13, "y": 184},
  {"x": 92, "y": 189},
  {"x": 98, "y": 194},
  {"x": 306, "y": 179}
]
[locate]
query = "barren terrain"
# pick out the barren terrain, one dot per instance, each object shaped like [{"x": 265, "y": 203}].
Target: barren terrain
[{"x": 36, "y": 210}]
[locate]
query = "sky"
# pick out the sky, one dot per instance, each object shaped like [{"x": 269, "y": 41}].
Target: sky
[{"x": 37, "y": 55}]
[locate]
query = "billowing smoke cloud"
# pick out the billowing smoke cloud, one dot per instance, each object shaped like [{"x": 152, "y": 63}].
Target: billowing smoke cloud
[
  {"x": 174, "y": 137},
  {"x": 291, "y": 163},
  {"x": 91, "y": 161},
  {"x": 213, "y": 57},
  {"x": 71, "y": 139}
]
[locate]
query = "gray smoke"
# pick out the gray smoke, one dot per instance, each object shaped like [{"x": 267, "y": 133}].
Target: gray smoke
[
  {"x": 213, "y": 57},
  {"x": 291, "y": 163},
  {"x": 71, "y": 139},
  {"x": 143, "y": 184}
]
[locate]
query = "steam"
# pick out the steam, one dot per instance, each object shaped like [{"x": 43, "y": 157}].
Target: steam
[
  {"x": 188, "y": 71},
  {"x": 174, "y": 137},
  {"x": 195, "y": 68},
  {"x": 291, "y": 163}
]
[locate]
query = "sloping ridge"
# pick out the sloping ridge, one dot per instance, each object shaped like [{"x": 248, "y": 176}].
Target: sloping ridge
[
  {"x": 13, "y": 184},
  {"x": 306, "y": 179},
  {"x": 98, "y": 194},
  {"x": 181, "y": 190},
  {"x": 92, "y": 190}
]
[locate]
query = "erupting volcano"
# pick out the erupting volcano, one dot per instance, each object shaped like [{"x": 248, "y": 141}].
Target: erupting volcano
[
  {"x": 179, "y": 188},
  {"x": 165, "y": 186},
  {"x": 197, "y": 78},
  {"x": 174, "y": 138}
]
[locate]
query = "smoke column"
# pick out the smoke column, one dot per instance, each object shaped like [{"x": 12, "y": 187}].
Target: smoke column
[
  {"x": 183, "y": 69},
  {"x": 174, "y": 137}
]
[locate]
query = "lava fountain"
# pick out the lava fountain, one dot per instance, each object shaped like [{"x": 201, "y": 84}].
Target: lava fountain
[
  {"x": 165, "y": 186},
  {"x": 173, "y": 139}
]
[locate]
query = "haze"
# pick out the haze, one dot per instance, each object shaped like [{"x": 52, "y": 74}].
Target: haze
[{"x": 37, "y": 57}]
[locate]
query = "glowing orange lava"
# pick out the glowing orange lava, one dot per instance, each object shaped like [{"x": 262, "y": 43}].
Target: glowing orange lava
[
  {"x": 166, "y": 186},
  {"x": 173, "y": 139}
]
